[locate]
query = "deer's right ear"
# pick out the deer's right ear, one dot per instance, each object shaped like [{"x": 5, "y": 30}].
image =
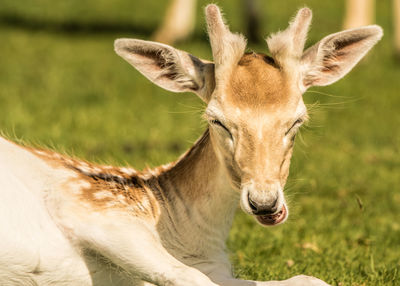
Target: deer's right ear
[
  {"x": 167, "y": 67},
  {"x": 335, "y": 55}
]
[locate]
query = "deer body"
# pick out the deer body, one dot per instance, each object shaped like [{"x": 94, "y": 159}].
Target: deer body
[
  {"x": 76, "y": 202},
  {"x": 69, "y": 222}
]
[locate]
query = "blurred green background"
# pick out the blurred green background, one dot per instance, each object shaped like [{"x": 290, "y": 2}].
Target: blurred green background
[{"x": 61, "y": 85}]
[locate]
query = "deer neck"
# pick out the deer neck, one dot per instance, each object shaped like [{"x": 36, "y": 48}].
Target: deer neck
[{"x": 201, "y": 190}]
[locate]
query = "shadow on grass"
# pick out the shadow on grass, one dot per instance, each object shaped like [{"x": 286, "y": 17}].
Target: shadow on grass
[
  {"x": 70, "y": 27},
  {"x": 76, "y": 28}
]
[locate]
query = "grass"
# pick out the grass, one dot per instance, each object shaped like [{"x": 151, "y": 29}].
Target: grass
[{"x": 64, "y": 87}]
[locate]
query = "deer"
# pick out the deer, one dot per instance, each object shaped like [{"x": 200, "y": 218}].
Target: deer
[{"x": 65, "y": 221}]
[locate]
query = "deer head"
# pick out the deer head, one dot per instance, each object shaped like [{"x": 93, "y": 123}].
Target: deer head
[{"x": 254, "y": 101}]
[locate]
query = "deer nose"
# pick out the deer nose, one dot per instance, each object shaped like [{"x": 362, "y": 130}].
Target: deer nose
[{"x": 263, "y": 208}]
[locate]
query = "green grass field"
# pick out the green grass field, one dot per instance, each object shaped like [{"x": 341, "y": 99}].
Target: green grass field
[{"x": 61, "y": 85}]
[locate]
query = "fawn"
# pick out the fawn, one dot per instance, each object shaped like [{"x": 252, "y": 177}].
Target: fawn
[{"x": 68, "y": 222}]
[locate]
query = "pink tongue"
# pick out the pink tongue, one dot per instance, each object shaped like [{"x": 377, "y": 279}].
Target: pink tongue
[
  {"x": 272, "y": 219},
  {"x": 275, "y": 216}
]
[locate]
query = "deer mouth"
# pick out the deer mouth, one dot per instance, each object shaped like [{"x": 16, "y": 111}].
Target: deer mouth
[{"x": 273, "y": 219}]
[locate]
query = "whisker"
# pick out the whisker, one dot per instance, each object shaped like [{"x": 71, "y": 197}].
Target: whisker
[
  {"x": 301, "y": 137},
  {"x": 191, "y": 108},
  {"x": 324, "y": 93},
  {"x": 186, "y": 112}
]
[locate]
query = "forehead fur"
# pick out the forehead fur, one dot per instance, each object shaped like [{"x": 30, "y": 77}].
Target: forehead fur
[{"x": 257, "y": 82}]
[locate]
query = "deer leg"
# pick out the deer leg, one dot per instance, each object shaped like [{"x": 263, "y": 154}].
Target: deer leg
[
  {"x": 178, "y": 22},
  {"x": 135, "y": 248},
  {"x": 359, "y": 13},
  {"x": 396, "y": 13}
]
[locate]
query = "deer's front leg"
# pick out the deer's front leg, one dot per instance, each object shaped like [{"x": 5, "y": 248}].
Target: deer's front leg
[{"x": 134, "y": 247}]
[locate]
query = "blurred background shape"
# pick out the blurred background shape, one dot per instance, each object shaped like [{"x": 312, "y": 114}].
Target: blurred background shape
[
  {"x": 359, "y": 13},
  {"x": 362, "y": 13},
  {"x": 396, "y": 15},
  {"x": 179, "y": 21}
]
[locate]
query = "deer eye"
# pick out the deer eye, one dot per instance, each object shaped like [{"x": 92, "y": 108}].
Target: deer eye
[
  {"x": 296, "y": 123},
  {"x": 219, "y": 124}
]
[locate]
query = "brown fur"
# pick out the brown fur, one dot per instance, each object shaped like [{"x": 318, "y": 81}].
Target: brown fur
[
  {"x": 115, "y": 187},
  {"x": 257, "y": 82},
  {"x": 108, "y": 187}
]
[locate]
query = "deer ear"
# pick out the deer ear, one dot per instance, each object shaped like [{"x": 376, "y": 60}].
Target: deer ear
[
  {"x": 335, "y": 55},
  {"x": 169, "y": 68}
]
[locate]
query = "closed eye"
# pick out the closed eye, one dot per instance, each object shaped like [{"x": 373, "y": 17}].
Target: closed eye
[
  {"x": 219, "y": 124},
  {"x": 296, "y": 123}
]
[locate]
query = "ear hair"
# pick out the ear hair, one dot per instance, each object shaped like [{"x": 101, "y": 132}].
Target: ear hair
[
  {"x": 167, "y": 67},
  {"x": 289, "y": 43},
  {"x": 335, "y": 55},
  {"x": 227, "y": 47}
]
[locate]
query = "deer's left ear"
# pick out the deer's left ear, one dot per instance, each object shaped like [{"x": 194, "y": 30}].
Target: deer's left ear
[
  {"x": 169, "y": 68},
  {"x": 335, "y": 55}
]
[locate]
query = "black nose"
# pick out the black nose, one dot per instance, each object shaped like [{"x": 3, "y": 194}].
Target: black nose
[{"x": 263, "y": 209}]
